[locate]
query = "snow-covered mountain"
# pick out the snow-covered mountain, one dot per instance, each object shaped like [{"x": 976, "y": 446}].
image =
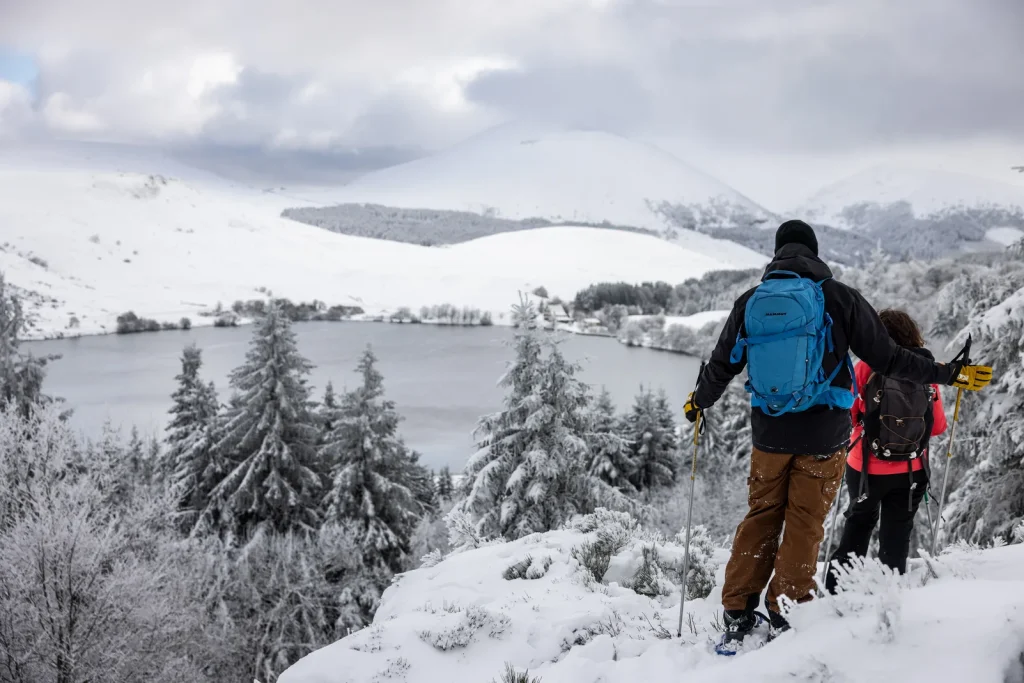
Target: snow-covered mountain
[
  {"x": 87, "y": 245},
  {"x": 922, "y": 213},
  {"x": 533, "y": 605},
  {"x": 522, "y": 171}
]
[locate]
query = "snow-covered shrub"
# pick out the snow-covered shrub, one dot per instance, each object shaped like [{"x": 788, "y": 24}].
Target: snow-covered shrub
[
  {"x": 510, "y": 675},
  {"x": 527, "y": 568},
  {"x": 469, "y": 622},
  {"x": 462, "y": 532},
  {"x": 867, "y": 585},
  {"x": 432, "y": 558},
  {"x": 700, "y": 577},
  {"x": 604, "y": 520},
  {"x": 649, "y": 578},
  {"x": 1018, "y": 532},
  {"x": 595, "y": 557}
]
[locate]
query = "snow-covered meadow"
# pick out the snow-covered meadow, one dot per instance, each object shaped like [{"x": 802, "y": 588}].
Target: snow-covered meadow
[{"x": 534, "y": 605}]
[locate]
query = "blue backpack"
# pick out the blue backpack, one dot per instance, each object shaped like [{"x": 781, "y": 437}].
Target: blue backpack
[{"x": 788, "y": 333}]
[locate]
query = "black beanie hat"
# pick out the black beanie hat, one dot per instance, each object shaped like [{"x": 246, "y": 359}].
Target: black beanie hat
[{"x": 798, "y": 232}]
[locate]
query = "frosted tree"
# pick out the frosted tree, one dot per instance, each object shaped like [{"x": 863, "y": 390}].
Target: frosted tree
[
  {"x": 530, "y": 472},
  {"x": 990, "y": 500},
  {"x": 328, "y": 408},
  {"x": 136, "y": 456},
  {"x": 611, "y": 459},
  {"x": 445, "y": 484},
  {"x": 650, "y": 429},
  {"x": 377, "y": 484},
  {"x": 191, "y": 464},
  {"x": 21, "y": 374},
  {"x": 269, "y": 437}
]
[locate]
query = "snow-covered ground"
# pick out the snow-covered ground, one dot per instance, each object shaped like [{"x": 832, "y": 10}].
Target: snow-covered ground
[
  {"x": 1004, "y": 236},
  {"x": 961, "y": 619},
  {"x": 521, "y": 171},
  {"x": 89, "y": 245},
  {"x": 694, "y": 322},
  {"x": 929, "y": 192}
]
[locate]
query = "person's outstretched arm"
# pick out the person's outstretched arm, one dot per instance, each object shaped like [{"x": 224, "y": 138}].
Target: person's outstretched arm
[
  {"x": 720, "y": 370},
  {"x": 871, "y": 342}
]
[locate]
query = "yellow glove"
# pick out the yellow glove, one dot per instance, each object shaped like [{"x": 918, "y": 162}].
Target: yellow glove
[
  {"x": 972, "y": 377},
  {"x": 691, "y": 410}
]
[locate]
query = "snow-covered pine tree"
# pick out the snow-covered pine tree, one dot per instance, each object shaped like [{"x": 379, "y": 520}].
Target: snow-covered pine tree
[
  {"x": 269, "y": 437},
  {"x": 611, "y": 459},
  {"x": 445, "y": 484},
  {"x": 21, "y": 374},
  {"x": 136, "y": 456},
  {"x": 530, "y": 473},
  {"x": 190, "y": 438},
  {"x": 327, "y": 409},
  {"x": 376, "y": 483},
  {"x": 990, "y": 500},
  {"x": 650, "y": 429}
]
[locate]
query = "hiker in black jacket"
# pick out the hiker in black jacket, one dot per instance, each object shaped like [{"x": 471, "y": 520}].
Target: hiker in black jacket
[{"x": 798, "y": 457}]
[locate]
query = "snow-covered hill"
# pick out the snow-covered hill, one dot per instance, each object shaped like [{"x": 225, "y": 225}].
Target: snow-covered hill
[
  {"x": 532, "y": 605},
  {"x": 928, "y": 193},
  {"x": 520, "y": 171},
  {"x": 89, "y": 245}
]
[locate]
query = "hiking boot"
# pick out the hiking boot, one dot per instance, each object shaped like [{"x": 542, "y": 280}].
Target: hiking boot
[
  {"x": 738, "y": 625},
  {"x": 777, "y": 624}
]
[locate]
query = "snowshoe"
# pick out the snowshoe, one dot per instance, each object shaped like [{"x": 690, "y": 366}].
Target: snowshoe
[
  {"x": 777, "y": 624},
  {"x": 738, "y": 626}
]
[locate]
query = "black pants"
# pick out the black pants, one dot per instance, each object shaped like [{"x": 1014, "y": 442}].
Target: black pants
[{"x": 890, "y": 494}]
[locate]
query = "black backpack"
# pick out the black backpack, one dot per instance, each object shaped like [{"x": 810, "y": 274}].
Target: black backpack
[{"x": 897, "y": 418}]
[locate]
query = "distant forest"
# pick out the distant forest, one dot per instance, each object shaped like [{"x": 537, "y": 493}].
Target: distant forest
[{"x": 426, "y": 227}]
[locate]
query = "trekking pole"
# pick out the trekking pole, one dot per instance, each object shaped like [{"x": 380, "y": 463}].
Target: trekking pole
[
  {"x": 832, "y": 530},
  {"x": 698, "y": 426},
  {"x": 966, "y": 354}
]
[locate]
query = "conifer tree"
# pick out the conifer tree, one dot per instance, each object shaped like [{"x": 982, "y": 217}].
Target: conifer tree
[
  {"x": 377, "y": 483},
  {"x": 611, "y": 459},
  {"x": 650, "y": 430},
  {"x": 328, "y": 409},
  {"x": 268, "y": 440},
  {"x": 189, "y": 456},
  {"x": 21, "y": 374},
  {"x": 530, "y": 473},
  {"x": 445, "y": 484}
]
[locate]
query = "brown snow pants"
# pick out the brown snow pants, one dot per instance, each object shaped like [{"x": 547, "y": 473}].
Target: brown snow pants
[{"x": 793, "y": 489}]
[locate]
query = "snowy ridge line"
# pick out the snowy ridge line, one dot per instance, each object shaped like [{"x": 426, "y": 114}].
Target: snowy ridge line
[{"x": 535, "y": 604}]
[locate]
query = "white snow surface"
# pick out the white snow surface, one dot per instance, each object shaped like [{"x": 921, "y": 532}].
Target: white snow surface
[
  {"x": 928, "y": 191},
  {"x": 108, "y": 241},
  {"x": 1004, "y": 236},
  {"x": 964, "y": 623},
  {"x": 525, "y": 171},
  {"x": 694, "y": 322}
]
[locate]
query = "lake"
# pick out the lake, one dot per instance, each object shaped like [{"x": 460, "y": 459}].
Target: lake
[{"x": 441, "y": 378}]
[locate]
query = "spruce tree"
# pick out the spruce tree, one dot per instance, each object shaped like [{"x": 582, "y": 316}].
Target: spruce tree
[
  {"x": 21, "y": 374},
  {"x": 268, "y": 439},
  {"x": 191, "y": 435},
  {"x": 327, "y": 410},
  {"x": 610, "y": 457},
  {"x": 650, "y": 430},
  {"x": 445, "y": 484},
  {"x": 530, "y": 473},
  {"x": 136, "y": 456},
  {"x": 376, "y": 482}
]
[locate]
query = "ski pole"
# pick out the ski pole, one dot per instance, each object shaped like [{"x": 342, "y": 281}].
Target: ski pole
[
  {"x": 832, "y": 530},
  {"x": 966, "y": 353},
  {"x": 697, "y": 427}
]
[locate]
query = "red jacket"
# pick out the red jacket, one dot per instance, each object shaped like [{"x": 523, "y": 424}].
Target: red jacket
[{"x": 856, "y": 458}]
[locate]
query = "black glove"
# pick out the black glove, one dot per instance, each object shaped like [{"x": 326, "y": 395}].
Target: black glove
[{"x": 691, "y": 409}]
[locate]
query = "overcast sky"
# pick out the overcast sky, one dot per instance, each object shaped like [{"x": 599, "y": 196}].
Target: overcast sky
[{"x": 773, "y": 96}]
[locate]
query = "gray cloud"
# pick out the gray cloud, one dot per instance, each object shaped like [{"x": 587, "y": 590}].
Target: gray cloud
[{"x": 798, "y": 76}]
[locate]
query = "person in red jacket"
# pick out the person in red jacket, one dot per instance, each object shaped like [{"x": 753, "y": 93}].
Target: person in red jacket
[{"x": 888, "y": 487}]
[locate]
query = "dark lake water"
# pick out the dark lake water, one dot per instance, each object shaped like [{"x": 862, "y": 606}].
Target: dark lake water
[{"x": 442, "y": 378}]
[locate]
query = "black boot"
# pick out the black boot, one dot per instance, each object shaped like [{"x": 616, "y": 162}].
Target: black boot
[
  {"x": 777, "y": 624},
  {"x": 738, "y": 625}
]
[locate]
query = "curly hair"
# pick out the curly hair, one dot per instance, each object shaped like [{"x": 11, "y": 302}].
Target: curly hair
[{"x": 902, "y": 328}]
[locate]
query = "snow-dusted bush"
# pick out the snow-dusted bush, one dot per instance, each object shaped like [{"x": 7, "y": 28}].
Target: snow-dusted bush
[
  {"x": 867, "y": 585},
  {"x": 700, "y": 577},
  {"x": 510, "y": 675},
  {"x": 461, "y": 626}
]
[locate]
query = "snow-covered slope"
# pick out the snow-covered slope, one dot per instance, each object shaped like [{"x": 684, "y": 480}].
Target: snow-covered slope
[
  {"x": 928, "y": 192},
  {"x": 91, "y": 245},
  {"x": 460, "y": 620},
  {"x": 521, "y": 171}
]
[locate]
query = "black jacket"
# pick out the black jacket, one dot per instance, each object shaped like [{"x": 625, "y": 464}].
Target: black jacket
[{"x": 856, "y": 327}]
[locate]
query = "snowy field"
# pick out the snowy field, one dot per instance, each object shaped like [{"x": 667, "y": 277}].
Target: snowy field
[
  {"x": 961, "y": 618},
  {"x": 87, "y": 246}
]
